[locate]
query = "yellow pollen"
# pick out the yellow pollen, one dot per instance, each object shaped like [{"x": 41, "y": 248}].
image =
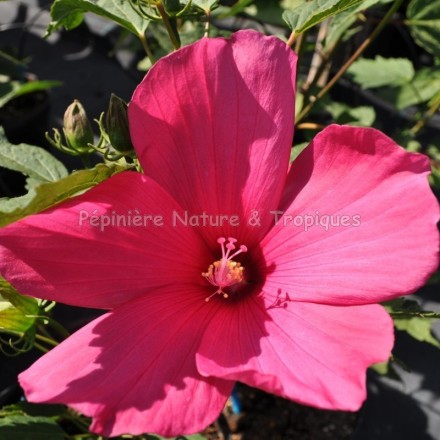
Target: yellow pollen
[{"x": 225, "y": 272}]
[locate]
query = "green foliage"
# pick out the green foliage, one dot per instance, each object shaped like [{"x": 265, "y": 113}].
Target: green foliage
[
  {"x": 267, "y": 11},
  {"x": 424, "y": 86},
  {"x": 424, "y": 22},
  {"x": 235, "y": 9},
  {"x": 308, "y": 14},
  {"x": 14, "y": 84},
  {"x": 23, "y": 427},
  {"x": 48, "y": 182},
  {"x": 387, "y": 368},
  {"x": 205, "y": 5},
  {"x": 13, "y": 89},
  {"x": 30, "y": 160},
  {"x": 369, "y": 73},
  {"x": 418, "y": 328},
  {"x": 342, "y": 113},
  {"x": 341, "y": 23},
  {"x": 17, "y": 312},
  {"x": 297, "y": 150},
  {"x": 410, "y": 318},
  {"x": 70, "y": 14},
  {"x": 396, "y": 80},
  {"x": 28, "y": 421},
  {"x": 48, "y": 194}
]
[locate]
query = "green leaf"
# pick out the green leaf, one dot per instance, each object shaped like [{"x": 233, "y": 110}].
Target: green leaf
[
  {"x": 12, "y": 320},
  {"x": 386, "y": 369},
  {"x": 345, "y": 114},
  {"x": 16, "y": 310},
  {"x": 381, "y": 72},
  {"x": 435, "y": 278},
  {"x": 297, "y": 150},
  {"x": 267, "y": 11},
  {"x": 342, "y": 22},
  {"x": 39, "y": 409},
  {"x": 192, "y": 437},
  {"x": 7, "y": 90},
  {"x": 309, "y": 14},
  {"x": 418, "y": 328},
  {"x": 49, "y": 194},
  {"x": 236, "y": 8},
  {"x": 171, "y": 6},
  {"x": 14, "y": 89},
  {"x": 206, "y": 5},
  {"x": 33, "y": 161},
  {"x": 424, "y": 24},
  {"x": 10, "y": 66},
  {"x": 25, "y": 304},
  {"x": 409, "y": 317},
  {"x": 22, "y": 427},
  {"x": 381, "y": 368},
  {"x": 424, "y": 85},
  {"x": 70, "y": 14},
  {"x": 406, "y": 308},
  {"x": 434, "y": 178}
]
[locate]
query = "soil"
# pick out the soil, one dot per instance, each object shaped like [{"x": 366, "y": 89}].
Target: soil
[{"x": 267, "y": 417}]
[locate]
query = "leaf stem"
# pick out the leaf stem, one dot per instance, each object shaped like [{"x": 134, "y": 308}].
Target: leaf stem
[
  {"x": 427, "y": 116},
  {"x": 47, "y": 340},
  {"x": 41, "y": 347},
  {"x": 146, "y": 47},
  {"x": 292, "y": 39},
  {"x": 310, "y": 126},
  {"x": 55, "y": 325},
  {"x": 174, "y": 39},
  {"x": 350, "y": 61},
  {"x": 207, "y": 24},
  {"x": 299, "y": 44}
]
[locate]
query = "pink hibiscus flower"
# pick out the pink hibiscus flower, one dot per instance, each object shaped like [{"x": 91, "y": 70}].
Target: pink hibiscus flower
[{"x": 219, "y": 263}]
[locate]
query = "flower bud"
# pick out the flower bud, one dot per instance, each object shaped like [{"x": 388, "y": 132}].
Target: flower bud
[
  {"x": 116, "y": 122},
  {"x": 77, "y": 128}
]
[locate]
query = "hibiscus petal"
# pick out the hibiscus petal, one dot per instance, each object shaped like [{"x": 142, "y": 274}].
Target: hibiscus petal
[
  {"x": 215, "y": 130},
  {"x": 63, "y": 255},
  {"x": 133, "y": 369},
  {"x": 384, "y": 241},
  {"x": 311, "y": 353}
]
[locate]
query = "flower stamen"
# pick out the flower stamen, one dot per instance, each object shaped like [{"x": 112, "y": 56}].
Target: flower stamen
[{"x": 225, "y": 272}]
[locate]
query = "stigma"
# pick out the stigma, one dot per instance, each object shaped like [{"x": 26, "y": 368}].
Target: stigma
[{"x": 225, "y": 272}]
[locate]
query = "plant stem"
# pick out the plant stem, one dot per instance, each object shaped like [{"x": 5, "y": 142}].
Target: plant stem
[
  {"x": 41, "y": 347},
  {"x": 310, "y": 126},
  {"x": 350, "y": 61},
  {"x": 299, "y": 44},
  {"x": 169, "y": 28},
  {"x": 316, "y": 70},
  {"x": 305, "y": 88},
  {"x": 292, "y": 39},
  {"x": 207, "y": 24},
  {"x": 427, "y": 116},
  {"x": 146, "y": 47},
  {"x": 47, "y": 340},
  {"x": 55, "y": 325}
]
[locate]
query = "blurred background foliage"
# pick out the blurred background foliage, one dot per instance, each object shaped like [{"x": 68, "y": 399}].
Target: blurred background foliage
[{"x": 373, "y": 63}]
